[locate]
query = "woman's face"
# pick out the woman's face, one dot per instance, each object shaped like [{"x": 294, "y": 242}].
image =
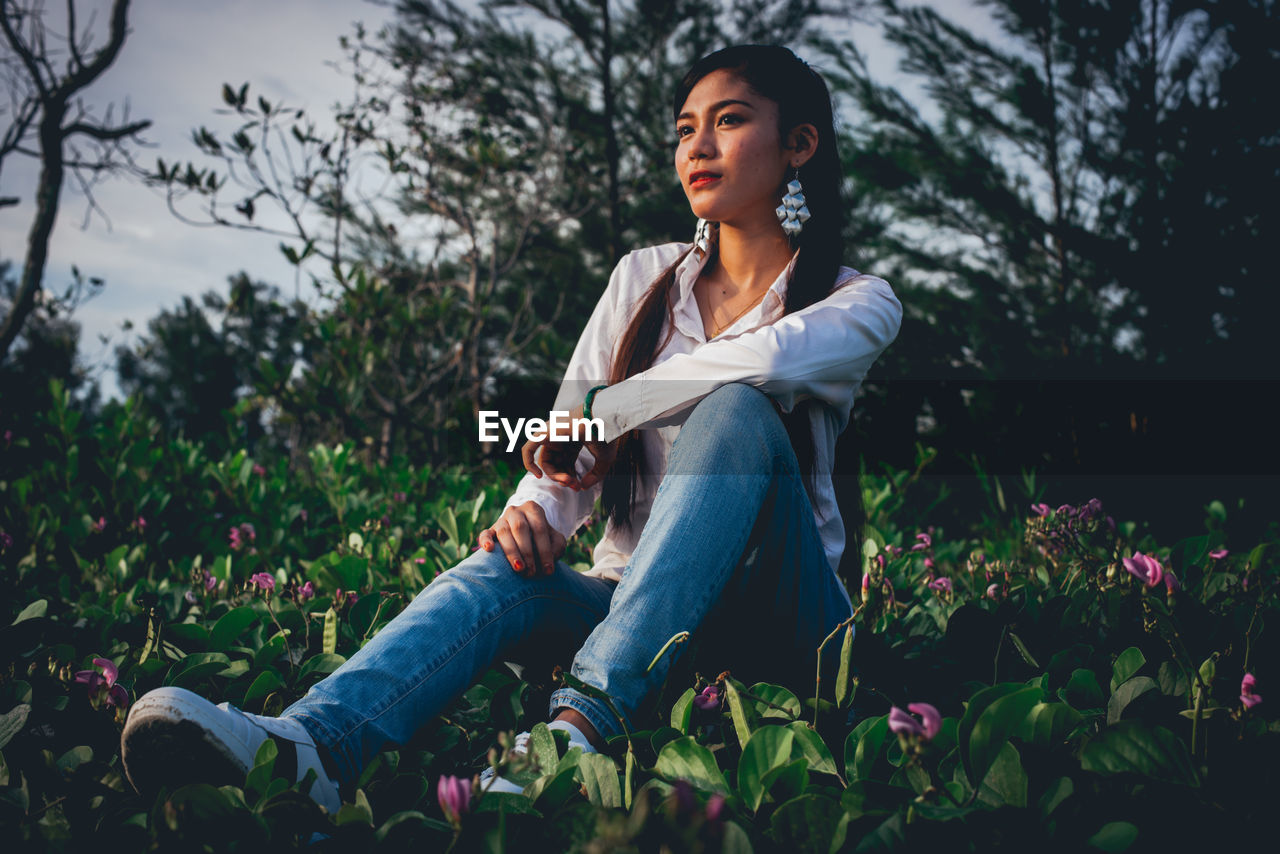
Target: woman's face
[{"x": 729, "y": 155}]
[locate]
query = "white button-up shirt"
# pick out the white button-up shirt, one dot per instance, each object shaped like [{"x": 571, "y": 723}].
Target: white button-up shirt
[{"x": 821, "y": 352}]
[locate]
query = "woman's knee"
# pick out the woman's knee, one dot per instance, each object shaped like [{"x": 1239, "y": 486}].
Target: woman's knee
[{"x": 739, "y": 412}]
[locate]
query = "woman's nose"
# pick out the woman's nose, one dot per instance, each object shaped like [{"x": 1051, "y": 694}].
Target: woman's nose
[{"x": 701, "y": 145}]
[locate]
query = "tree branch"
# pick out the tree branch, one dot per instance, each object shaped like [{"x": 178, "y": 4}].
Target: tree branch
[{"x": 106, "y": 133}]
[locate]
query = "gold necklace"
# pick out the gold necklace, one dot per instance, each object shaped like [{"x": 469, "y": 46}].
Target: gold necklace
[{"x": 724, "y": 326}]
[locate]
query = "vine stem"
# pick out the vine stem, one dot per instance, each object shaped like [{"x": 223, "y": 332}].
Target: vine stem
[{"x": 817, "y": 683}]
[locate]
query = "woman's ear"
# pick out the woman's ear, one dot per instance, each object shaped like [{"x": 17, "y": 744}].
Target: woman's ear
[{"x": 802, "y": 142}]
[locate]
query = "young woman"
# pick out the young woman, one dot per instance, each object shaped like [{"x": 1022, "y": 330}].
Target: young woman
[{"x": 723, "y": 371}]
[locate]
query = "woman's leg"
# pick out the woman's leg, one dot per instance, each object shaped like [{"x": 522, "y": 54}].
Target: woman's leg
[
  {"x": 465, "y": 619},
  {"x": 731, "y": 536}
]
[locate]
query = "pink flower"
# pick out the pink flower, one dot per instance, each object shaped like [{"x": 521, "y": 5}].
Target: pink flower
[
  {"x": 1247, "y": 684},
  {"x": 141, "y": 523},
  {"x": 1171, "y": 582},
  {"x": 929, "y": 564},
  {"x": 866, "y": 586},
  {"x": 241, "y": 536},
  {"x": 263, "y": 581},
  {"x": 101, "y": 524},
  {"x": 306, "y": 592},
  {"x": 709, "y": 699},
  {"x": 715, "y": 807},
  {"x": 1144, "y": 567},
  {"x": 6, "y": 541},
  {"x": 209, "y": 582},
  {"x": 259, "y": 470},
  {"x": 923, "y": 541},
  {"x": 929, "y": 725},
  {"x": 1041, "y": 509},
  {"x": 454, "y": 795},
  {"x": 190, "y": 597},
  {"x": 1219, "y": 554},
  {"x": 993, "y": 591},
  {"x": 942, "y": 585},
  {"x": 104, "y": 683},
  {"x": 399, "y": 497}
]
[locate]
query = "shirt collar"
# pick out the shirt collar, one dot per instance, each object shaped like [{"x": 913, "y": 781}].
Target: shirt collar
[{"x": 686, "y": 307}]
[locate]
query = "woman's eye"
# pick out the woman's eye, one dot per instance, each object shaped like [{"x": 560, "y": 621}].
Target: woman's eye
[
  {"x": 683, "y": 131},
  {"x": 731, "y": 118}
]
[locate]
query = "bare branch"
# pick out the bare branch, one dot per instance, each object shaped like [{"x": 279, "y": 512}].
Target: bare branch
[{"x": 106, "y": 133}]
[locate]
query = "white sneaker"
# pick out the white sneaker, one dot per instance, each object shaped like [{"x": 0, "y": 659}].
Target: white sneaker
[
  {"x": 490, "y": 783},
  {"x": 174, "y": 737},
  {"x": 521, "y": 746}
]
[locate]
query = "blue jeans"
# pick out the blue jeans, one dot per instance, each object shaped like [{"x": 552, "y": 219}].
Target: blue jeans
[{"x": 730, "y": 553}]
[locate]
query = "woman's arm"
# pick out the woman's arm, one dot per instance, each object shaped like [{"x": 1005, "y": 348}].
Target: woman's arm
[
  {"x": 822, "y": 351},
  {"x": 566, "y": 508}
]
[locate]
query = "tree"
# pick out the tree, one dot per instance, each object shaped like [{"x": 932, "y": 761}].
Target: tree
[
  {"x": 1040, "y": 231},
  {"x": 48, "y": 121},
  {"x": 522, "y": 145},
  {"x": 198, "y": 368}
]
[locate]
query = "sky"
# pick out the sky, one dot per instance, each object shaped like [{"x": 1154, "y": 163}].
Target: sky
[{"x": 171, "y": 70}]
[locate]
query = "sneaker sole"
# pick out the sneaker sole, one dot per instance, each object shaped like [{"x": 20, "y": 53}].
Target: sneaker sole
[{"x": 172, "y": 738}]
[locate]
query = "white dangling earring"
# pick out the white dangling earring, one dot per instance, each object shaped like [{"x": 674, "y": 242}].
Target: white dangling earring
[
  {"x": 704, "y": 236},
  {"x": 792, "y": 213}
]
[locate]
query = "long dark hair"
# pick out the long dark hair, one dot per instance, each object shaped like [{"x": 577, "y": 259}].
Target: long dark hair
[{"x": 776, "y": 73}]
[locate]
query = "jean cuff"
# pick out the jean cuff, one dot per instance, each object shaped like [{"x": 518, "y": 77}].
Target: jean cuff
[{"x": 596, "y": 712}]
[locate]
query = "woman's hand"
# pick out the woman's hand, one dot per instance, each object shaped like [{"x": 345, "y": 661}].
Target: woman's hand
[
  {"x": 558, "y": 458},
  {"x": 531, "y": 546}
]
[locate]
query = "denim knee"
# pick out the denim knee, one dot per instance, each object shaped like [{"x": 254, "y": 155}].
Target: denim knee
[{"x": 737, "y": 423}]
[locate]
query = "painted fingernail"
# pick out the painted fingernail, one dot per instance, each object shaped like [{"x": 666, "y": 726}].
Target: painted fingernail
[{"x": 519, "y": 565}]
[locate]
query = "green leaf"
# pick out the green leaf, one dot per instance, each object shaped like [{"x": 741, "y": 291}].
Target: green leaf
[
  {"x": 193, "y": 668},
  {"x": 1114, "y": 837},
  {"x": 358, "y": 812},
  {"x": 845, "y": 689},
  {"x": 774, "y": 701},
  {"x": 1057, "y": 792},
  {"x": 787, "y": 781},
  {"x": 685, "y": 759},
  {"x": 809, "y": 744},
  {"x": 1023, "y": 651},
  {"x": 1006, "y": 783},
  {"x": 12, "y": 721},
  {"x": 743, "y": 716},
  {"x": 863, "y": 747},
  {"x": 805, "y": 824},
  {"x": 266, "y": 682},
  {"x": 37, "y": 608},
  {"x": 322, "y": 664},
  {"x": 1047, "y": 725},
  {"x": 74, "y": 758},
  {"x": 1082, "y": 690},
  {"x": 993, "y": 715},
  {"x": 599, "y": 776},
  {"x": 682, "y": 711},
  {"x": 1127, "y": 663},
  {"x": 1135, "y": 748},
  {"x": 231, "y": 625},
  {"x": 542, "y": 748},
  {"x": 449, "y": 523},
  {"x": 768, "y": 748},
  {"x": 1126, "y": 694}
]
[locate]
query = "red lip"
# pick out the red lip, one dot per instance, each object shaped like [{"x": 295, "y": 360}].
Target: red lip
[{"x": 702, "y": 177}]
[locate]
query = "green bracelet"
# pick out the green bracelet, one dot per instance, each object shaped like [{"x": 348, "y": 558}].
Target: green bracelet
[{"x": 586, "y": 405}]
